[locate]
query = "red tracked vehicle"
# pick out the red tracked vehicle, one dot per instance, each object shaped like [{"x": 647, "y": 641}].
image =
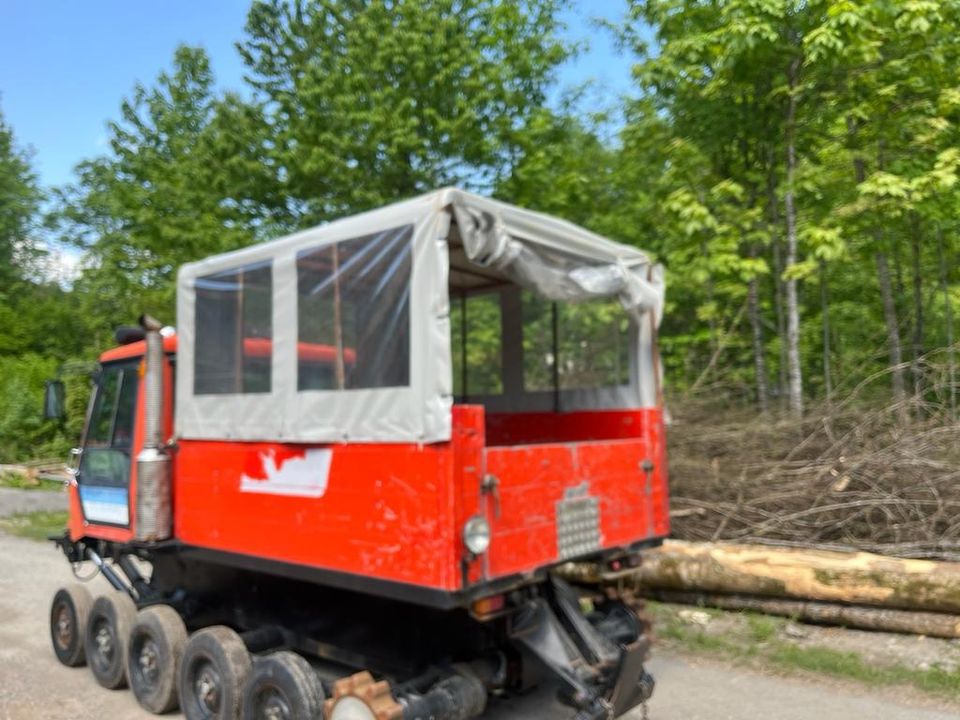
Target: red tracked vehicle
[{"x": 363, "y": 452}]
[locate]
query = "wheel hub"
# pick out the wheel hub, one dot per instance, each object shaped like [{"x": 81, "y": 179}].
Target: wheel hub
[
  {"x": 104, "y": 638},
  {"x": 149, "y": 662},
  {"x": 207, "y": 687},
  {"x": 64, "y": 627},
  {"x": 273, "y": 706}
]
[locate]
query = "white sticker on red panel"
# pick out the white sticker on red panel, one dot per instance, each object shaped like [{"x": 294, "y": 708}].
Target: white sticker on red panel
[{"x": 301, "y": 475}]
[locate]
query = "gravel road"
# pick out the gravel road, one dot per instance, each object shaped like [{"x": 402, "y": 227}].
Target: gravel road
[
  {"x": 14, "y": 501},
  {"x": 33, "y": 685}
]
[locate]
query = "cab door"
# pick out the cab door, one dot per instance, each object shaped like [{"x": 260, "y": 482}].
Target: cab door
[{"x": 103, "y": 474}]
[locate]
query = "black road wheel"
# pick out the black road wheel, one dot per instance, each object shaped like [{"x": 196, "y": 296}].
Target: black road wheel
[
  {"x": 282, "y": 686},
  {"x": 68, "y": 620},
  {"x": 213, "y": 670},
  {"x": 154, "y": 648},
  {"x": 105, "y": 638}
]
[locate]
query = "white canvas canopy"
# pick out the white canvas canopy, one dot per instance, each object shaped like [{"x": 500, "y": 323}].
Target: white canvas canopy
[{"x": 264, "y": 355}]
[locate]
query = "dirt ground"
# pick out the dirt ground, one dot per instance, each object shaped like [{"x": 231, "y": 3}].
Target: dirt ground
[{"x": 33, "y": 685}]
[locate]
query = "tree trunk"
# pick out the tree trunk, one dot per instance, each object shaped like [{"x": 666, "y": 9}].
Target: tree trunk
[
  {"x": 893, "y": 332},
  {"x": 759, "y": 359},
  {"x": 712, "y": 320},
  {"x": 930, "y": 624},
  {"x": 794, "y": 373},
  {"x": 917, "y": 345},
  {"x": 856, "y": 578},
  {"x": 825, "y": 319},
  {"x": 773, "y": 208},
  {"x": 948, "y": 321}
]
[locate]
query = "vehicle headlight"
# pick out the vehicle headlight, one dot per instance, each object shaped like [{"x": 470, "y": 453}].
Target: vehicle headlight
[{"x": 476, "y": 534}]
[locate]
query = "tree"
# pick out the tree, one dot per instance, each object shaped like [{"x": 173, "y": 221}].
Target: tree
[
  {"x": 720, "y": 77},
  {"x": 369, "y": 101},
  {"x": 20, "y": 199},
  {"x": 898, "y": 137},
  {"x": 563, "y": 166},
  {"x": 31, "y": 310},
  {"x": 160, "y": 198}
]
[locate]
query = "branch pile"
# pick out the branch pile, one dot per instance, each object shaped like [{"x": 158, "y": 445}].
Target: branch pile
[{"x": 884, "y": 481}]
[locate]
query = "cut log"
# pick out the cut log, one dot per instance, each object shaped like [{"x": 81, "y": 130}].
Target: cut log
[
  {"x": 853, "y": 578},
  {"x": 912, "y": 622}
]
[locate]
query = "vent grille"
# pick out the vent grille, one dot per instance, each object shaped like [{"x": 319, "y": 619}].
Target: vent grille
[{"x": 578, "y": 524}]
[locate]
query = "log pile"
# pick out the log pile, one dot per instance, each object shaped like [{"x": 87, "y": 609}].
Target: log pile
[
  {"x": 30, "y": 474},
  {"x": 854, "y": 578},
  {"x": 931, "y": 624},
  {"x": 784, "y": 516},
  {"x": 859, "y": 590}
]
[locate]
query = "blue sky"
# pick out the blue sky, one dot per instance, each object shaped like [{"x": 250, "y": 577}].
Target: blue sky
[{"x": 65, "y": 66}]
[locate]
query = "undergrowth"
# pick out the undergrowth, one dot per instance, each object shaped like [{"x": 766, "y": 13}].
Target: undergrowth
[{"x": 37, "y": 525}]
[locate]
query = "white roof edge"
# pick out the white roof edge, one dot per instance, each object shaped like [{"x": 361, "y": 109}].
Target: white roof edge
[
  {"x": 531, "y": 225},
  {"x": 523, "y": 222}
]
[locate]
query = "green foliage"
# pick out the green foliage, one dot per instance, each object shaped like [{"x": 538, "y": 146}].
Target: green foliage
[
  {"x": 157, "y": 200},
  {"x": 20, "y": 199},
  {"x": 851, "y": 110},
  {"x": 368, "y": 102},
  {"x": 24, "y": 434}
]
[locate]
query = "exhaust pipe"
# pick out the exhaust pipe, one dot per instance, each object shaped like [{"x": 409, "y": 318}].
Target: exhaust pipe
[{"x": 154, "y": 510}]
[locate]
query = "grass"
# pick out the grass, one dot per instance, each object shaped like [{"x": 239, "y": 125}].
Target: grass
[
  {"x": 757, "y": 640},
  {"x": 35, "y": 525},
  {"x": 851, "y": 666},
  {"x": 762, "y": 627},
  {"x": 22, "y": 482}
]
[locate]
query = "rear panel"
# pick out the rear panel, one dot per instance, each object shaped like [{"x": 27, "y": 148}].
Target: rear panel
[{"x": 552, "y": 498}]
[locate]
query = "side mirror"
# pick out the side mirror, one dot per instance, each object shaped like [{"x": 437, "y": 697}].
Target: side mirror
[{"x": 54, "y": 407}]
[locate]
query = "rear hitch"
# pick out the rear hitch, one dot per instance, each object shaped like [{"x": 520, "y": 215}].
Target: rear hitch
[{"x": 599, "y": 663}]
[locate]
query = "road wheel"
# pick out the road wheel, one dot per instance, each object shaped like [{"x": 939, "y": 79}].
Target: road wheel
[
  {"x": 154, "y": 649},
  {"x": 282, "y": 686},
  {"x": 213, "y": 671},
  {"x": 104, "y": 642},
  {"x": 68, "y": 620}
]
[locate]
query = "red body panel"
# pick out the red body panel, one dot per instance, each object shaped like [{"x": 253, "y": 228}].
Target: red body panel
[
  {"x": 395, "y": 512},
  {"x": 385, "y": 512}
]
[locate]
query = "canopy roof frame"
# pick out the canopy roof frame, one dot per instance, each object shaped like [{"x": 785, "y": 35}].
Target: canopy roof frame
[{"x": 500, "y": 243}]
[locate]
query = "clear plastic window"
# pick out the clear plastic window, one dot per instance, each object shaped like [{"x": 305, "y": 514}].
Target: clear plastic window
[
  {"x": 126, "y": 410},
  {"x": 476, "y": 334},
  {"x": 588, "y": 341},
  {"x": 105, "y": 407},
  {"x": 353, "y": 313},
  {"x": 234, "y": 321},
  {"x": 106, "y": 455}
]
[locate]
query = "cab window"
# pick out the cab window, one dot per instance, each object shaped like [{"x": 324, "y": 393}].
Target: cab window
[{"x": 106, "y": 454}]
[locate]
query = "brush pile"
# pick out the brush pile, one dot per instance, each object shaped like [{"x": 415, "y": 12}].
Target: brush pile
[{"x": 845, "y": 478}]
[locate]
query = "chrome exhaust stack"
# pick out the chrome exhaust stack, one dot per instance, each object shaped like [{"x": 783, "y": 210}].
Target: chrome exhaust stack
[{"x": 154, "y": 507}]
